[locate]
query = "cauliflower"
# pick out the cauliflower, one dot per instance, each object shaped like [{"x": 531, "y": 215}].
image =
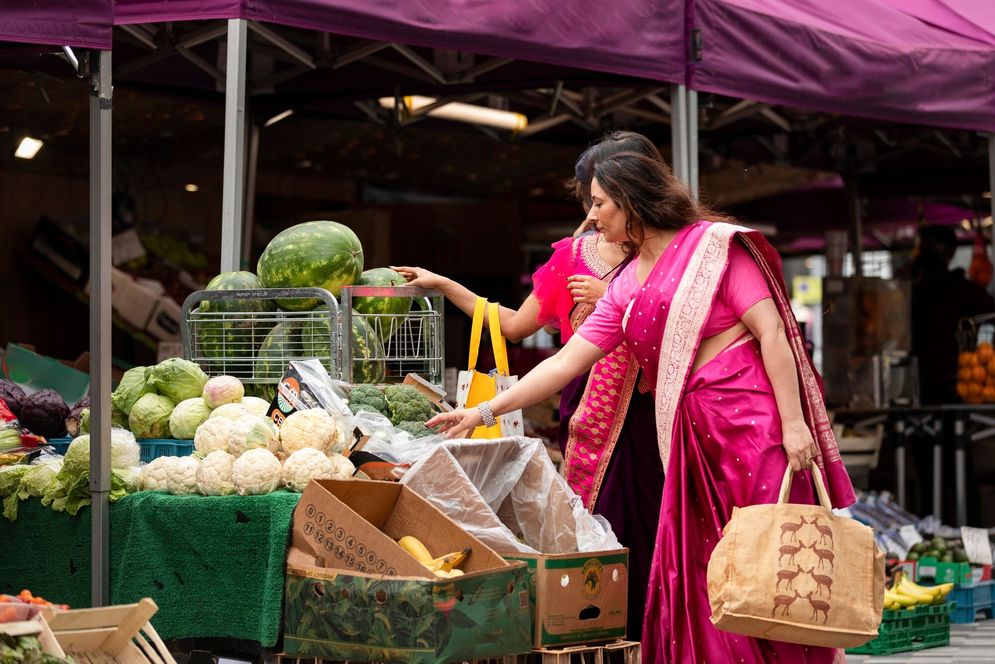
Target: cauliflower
[
  {"x": 416, "y": 429},
  {"x": 369, "y": 398},
  {"x": 407, "y": 404},
  {"x": 342, "y": 468},
  {"x": 305, "y": 465},
  {"x": 250, "y": 431},
  {"x": 255, "y": 472},
  {"x": 214, "y": 475},
  {"x": 310, "y": 428},
  {"x": 155, "y": 474},
  {"x": 182, "y": 477},
  {"x": 212, "y": 435},
  {"x": 256, "y": 406},
  {"x": 229, "y": 411}
]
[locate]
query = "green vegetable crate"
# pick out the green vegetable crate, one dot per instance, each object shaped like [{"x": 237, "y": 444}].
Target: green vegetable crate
[
  {"x": 931, "y": 570},
  {"x": 152, "y": 448},
  {"x": 910, "y": 629}
]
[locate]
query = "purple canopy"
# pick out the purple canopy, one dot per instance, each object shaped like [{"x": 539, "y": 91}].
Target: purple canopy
[
  {"x": 855, "y": 57},
  {"x": 629, "y": 37},
  {"x": 79, "y": 23}
]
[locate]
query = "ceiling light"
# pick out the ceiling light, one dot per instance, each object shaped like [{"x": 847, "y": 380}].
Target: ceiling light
[
  {"x": 28, "y": 148},
  {"x": 191, "y": 187},
  {"x": 279, "y": 116},
  {"x": 986, "y": 194},
  {"x": 460, "y": 112}
]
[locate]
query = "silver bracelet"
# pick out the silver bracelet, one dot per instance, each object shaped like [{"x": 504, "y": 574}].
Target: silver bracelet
[{"x": 486, "y": 415}]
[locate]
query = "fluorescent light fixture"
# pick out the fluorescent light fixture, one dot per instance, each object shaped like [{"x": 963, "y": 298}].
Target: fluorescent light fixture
[
  {"x": 28, "y": 148},
  {"x": 460, "y": 112},
  {"x": 279, "y": 116},
  {"x": 986, "y": 194},
  {"x": 191, "y": 187}
]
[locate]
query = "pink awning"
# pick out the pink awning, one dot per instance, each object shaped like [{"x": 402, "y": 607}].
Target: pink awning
[{"x": 78, "y": 23}]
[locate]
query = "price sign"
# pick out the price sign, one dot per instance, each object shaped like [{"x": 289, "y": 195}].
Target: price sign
[
  {"x": 976, "y": 545},
  {"x": 909, "y": 535}
]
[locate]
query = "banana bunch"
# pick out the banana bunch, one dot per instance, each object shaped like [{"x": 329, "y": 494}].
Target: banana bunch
[
  {"x": 904, "y": 594},
  {"x": 446, "y": 566}
]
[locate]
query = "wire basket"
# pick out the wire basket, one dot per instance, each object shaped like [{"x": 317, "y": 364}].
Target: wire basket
[
  {"x": 976, "y": 361},
  {"x": 242, "y": 333},
  {"x": 974, "y": 331},
  {"x": 408, "y": 324}
]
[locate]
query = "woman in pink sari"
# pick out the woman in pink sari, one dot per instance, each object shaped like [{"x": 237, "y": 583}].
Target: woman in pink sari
[{"x": 703, "y": 308}]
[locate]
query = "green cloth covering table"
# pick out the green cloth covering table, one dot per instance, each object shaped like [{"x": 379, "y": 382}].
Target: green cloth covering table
[{"x": 214, "y": 565}]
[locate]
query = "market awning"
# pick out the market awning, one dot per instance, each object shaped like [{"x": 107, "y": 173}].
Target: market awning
[
  {"x": 78, "y": 23},
  {"x": 865, "y": 58},
  {"x": 630, "y": 37}
]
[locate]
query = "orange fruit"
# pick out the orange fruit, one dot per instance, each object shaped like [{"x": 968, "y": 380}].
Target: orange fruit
[
  {"x": 964, "y": 374},
  {"x": 985, "y": 353},
  {"x": 988, "y": 395},
  {"x": 962, "y": 389},
  {"x": 964, "y": 359},
  {"x": 978, "y": 374}
]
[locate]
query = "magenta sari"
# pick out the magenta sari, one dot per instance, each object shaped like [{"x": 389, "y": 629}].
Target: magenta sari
[{"x": 720, "y": 441}]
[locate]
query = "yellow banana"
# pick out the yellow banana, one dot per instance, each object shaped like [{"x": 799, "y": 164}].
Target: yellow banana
[
  {"x": 448, "y": 574},
  {"x": 449, "y": 561},
  {"x": 903, "y": 588},
  {"x": 894, "y": 600},
  {"x": 935, "y": 591},
  {"x": 417, "y": 550}
]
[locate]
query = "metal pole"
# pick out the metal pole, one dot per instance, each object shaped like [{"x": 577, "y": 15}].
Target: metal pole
[
  {"x": 856, "y": 223},
  {"x": 100, "y": 327},
  {"x": 991, "y": 190},
  {"x": 900, "y": 444},
  {"x": 678, "y": 132},
  {"x": 250, "y": 191},
  {"x": 691, "y": 123},
  {"x": 233, "y": 198}
]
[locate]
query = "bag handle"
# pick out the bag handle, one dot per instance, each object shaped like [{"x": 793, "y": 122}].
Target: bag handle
[
  {"x": 497, "y": 339},
  {"x": 820, "y": 487},
  {"x": 475, "y": 332}
]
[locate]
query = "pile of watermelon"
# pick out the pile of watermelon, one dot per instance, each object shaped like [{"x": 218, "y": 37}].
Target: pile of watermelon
[{"x": 322, "y": 254}]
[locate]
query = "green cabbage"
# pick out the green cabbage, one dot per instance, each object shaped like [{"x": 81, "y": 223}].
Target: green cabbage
[
  {"x": 70, "y": 490},
  {"x": 40, "y": 474},
  {"x": 133, "y": 385},
  {"x": 149, "y": 417},
  {"x": 187, "y": 416},
  {"x": 177, "y": 379}
]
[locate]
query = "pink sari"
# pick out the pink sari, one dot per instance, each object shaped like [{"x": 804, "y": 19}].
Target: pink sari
[{"x": 720, "y": 441}]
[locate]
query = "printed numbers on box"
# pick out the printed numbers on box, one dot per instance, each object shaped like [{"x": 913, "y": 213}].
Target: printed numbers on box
[
  {"x": 319, "y": 537},
  {"x": 350, "y": 542},
  {"x": 340, "y": 534},
  {"x": 329, "y": 526},
  {"x": 361, "y": 550},
  {"x": 320, "y": 519},
  {"x": 381, "y": 565},
  {"x": 350, "y": 560},
  {"x": 310, "y": 510},
  {"x": 329, "y": 545}
]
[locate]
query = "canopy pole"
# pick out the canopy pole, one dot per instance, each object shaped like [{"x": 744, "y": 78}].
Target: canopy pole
[
  {"x": 100, "y": 326},
  {"x": 856, "y": 222},
  {"x": 678, "y": 132},
  {"x": 991, "y": 191},
  {"x": 691, "y": 122},
  {"x": 233, "y": 191}
]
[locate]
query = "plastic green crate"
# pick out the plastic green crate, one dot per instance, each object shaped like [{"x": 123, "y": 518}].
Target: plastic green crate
[
  {"x": 151, "y": 447},
  {"x": 35, "y": 372},
  {"x": 908, "y": 630}
]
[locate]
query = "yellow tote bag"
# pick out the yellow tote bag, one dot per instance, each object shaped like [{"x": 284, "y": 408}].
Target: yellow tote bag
[{"x": 474, "y": 387}]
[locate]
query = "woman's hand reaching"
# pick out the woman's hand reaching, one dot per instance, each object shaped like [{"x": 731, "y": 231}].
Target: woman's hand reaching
[
  {"x": 798, "y": 444},
  {"x": 586, "y": 289},
  {"x": 420, "y": 277},
  {"x": 458, "y": 423}
]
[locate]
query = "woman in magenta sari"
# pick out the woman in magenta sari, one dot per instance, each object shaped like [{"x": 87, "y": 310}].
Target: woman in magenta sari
[
  {"x": 703, "y": 309},
  {"x": 606, "y": 415}
]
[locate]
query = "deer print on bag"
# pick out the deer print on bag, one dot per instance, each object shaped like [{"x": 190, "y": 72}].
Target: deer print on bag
[
  {"x": 825, "y": 532},
  {"x": 790, "y": 552},
  {"x": 818, "y": 606},
  {"x": 821, "y": 580},
  {"x": 824, "y": 554},
  {"x": 792, "y": 529},
  {"x": 784, "y": 601},
  {"x": 789, "y": 576}
]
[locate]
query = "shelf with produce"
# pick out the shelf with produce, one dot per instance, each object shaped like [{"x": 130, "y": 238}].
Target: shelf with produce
[{"x": 63, "y": 283}]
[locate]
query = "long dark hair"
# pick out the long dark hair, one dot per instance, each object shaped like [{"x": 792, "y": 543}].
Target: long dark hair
[
  {"x": 614, "y": 142},
  {"x": 649, "y": 195}
]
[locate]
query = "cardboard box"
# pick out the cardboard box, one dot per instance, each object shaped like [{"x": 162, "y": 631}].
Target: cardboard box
[
  {"x": 126, "y": 247},
  {"x": 59, "y": 246},
  {"x": 576, "y": 597},
  {"x": 166, "y": 320},
  {"x": 131, "y": 302},
  {"x": 353, "y": 594}
]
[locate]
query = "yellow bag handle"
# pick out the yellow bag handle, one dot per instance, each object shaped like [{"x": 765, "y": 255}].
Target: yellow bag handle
[
  {"x": 497, "y": 339},
  {"x": 475, "y": 332}
]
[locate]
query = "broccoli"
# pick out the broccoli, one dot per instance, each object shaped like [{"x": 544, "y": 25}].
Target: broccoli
[
  {"x": 407, "y": 404},
  {"x": 416, "y": 429},
  {"x": 368, "y": 396}
]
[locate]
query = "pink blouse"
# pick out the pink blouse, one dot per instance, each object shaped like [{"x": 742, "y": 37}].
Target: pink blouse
[
  {"x": 571, "y": 256},
  {"x": 742, "y": 286}
]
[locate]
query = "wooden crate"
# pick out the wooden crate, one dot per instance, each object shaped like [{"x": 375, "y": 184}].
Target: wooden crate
[
  {"x": 110, "y": 635},
  {"x": 38, "y": 628},
  {"x": 616, "y": 652}
]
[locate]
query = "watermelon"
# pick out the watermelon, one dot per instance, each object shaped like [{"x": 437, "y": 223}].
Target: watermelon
[
  {"x": 383, "y": 313},
  {"x": 368, "y": 364},
  {"x": 281, "y": 345},
  {"x": 233, "y": 339},
  {"x": 320, "y": 254}
]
